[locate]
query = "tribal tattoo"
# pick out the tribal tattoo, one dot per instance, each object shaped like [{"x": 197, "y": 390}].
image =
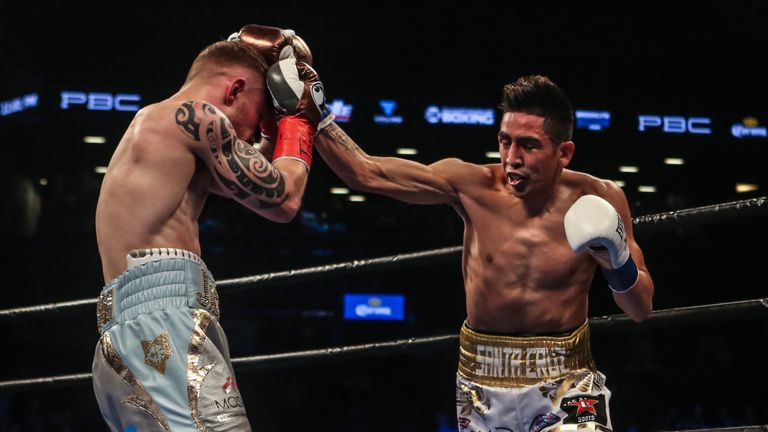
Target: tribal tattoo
[{"x": 240, "y": 168}]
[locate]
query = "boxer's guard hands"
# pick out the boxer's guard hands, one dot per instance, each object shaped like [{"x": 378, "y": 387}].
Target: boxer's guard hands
[
  {"x": 299, "y": 100},
  {"x": 593, "y": 224},
  {"x": 274, "y": 44}
]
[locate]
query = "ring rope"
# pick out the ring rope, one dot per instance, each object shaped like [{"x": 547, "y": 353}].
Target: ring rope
[
  {"x": 644, "y": 224},
  {"x": 740, "y": 310}
]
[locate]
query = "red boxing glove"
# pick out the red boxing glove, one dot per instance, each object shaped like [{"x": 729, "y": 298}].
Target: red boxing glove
[{"x": 294, "y": 140}]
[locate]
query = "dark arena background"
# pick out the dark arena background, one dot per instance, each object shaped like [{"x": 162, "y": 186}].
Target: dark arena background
[{"x": 671, "y": 103}]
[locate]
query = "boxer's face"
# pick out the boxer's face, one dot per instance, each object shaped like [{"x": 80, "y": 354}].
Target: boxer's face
[
  {"x": 528, "y": 157},
  {"x": 248, "y": 111}
]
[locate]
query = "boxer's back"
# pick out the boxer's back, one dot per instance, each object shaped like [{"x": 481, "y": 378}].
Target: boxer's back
[{"x": 153, "y": 191}]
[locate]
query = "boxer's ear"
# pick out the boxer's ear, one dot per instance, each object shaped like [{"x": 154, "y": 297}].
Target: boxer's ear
[
  {"x": 565, "y": 152},
  {"x": 234, "y": 90}
]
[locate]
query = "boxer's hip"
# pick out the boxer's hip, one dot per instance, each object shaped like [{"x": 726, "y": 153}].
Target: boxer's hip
[{"x": 163, "y": 360}]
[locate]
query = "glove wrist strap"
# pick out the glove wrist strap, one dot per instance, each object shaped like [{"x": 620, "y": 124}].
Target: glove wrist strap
[
  {"x": 294, "y": 140},
  {"x": 624, "y": 278}
]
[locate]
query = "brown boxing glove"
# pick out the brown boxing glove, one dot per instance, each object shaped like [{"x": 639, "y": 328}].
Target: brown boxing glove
[{"x": 271, "y": 42}]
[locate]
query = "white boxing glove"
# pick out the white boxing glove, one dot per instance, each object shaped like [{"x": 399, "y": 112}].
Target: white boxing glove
[{"x": 593, "y": 224}]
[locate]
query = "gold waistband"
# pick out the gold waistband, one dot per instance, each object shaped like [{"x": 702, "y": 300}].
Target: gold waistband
[{"x": 513, "y": 362}]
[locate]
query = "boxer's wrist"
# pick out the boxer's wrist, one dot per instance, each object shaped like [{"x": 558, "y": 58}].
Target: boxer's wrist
[
  {"x": 294, "y": 140},
  {"x": 624, "y": 278}
]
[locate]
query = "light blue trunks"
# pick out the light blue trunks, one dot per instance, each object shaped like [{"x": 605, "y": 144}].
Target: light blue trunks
[{"x": 162, "y": 363}]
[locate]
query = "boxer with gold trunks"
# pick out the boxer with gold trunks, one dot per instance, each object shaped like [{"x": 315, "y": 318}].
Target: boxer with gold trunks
[
  {"x": 534, "y": 233},
  {"x": 530, "y": 383}
]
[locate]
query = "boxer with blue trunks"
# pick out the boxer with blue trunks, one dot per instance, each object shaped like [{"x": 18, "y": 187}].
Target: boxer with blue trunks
[{"x": 163, "y": 361}]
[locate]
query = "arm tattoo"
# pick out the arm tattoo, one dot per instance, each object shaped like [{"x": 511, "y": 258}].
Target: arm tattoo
[
  {"x": 185, "y": 118},
  {"x": 340, "y": 138},
  {"x": 242, "y": 170}
]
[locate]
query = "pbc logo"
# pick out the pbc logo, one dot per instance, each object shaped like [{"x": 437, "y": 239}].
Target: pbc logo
[
  {"x": 585, "y": 408},
  {"x": 100, "y": 101},
  {"x": 675, "y": 124},
  {"x": 229, "y": 385}
]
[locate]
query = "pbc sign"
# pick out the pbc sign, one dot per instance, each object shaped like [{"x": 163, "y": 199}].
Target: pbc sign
[
  {"x": 100, "y": 101},
  {"x": 675, "y": 124}
]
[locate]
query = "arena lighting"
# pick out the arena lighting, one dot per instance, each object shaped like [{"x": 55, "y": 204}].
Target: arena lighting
[
  {"x": 621, "y": 183},
  {"x": 646, "y": 189},
  {"x": 674, "y": 161},
  {"x": 339, "y": 191},
  {"x": 746, "y": 187},
  {"x": 492, "y": 155},
  {"x": 407, "y": 151},
  {"x": 100, "y": 169},
  {"x": 356, "y": 198},
  {"x": 92, "y": 139},
  {"x": 628, "y": 169}
]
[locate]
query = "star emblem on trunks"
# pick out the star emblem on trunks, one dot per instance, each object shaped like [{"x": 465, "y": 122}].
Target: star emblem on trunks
[
  {"x": 584, "y": 405},
  {"x": 157, "y": 352}
]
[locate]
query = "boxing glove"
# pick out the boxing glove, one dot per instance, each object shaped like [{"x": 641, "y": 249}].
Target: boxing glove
[
  {"x": 274, "y": 44},
  {"x": 299, "y": 99},
  {"x": 592, "y": 224}
]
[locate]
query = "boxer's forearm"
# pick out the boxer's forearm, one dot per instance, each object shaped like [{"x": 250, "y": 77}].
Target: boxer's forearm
[
  {"x": 344, "y": 156},
  {"x": 637, "y": 302}
]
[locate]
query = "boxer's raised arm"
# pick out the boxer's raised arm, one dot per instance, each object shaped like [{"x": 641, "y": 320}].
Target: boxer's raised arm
[
  {"x": 397, "y": 178},
  {"x": 242, "y": 173}
]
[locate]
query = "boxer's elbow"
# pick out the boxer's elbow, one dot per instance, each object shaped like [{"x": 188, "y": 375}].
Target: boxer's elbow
[
  {"x": 280, "y": 212},
  {"x": 641, "y": 311},
  {"x": 289, "y": 209},
  {"x": 639, "y": 316}
]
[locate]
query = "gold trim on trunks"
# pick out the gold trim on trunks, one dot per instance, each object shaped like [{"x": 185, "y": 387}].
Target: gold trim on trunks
[
  {"x": 195, "y": 372},
  {"x": 104, "y": 308},
  {"x": 157, "y": 352},
  {"x": 207, "y": 295},
  {"x": 514, "y": 362},
  {"x": 140, "y": 398}
]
